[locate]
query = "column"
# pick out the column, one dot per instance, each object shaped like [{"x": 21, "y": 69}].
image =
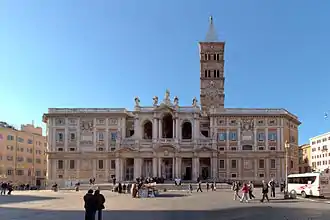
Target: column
[
  {"x": 194, "y": 168},
  {"x": 255, "y": 135},
  {"x": 178, "y": 167},
  {"x": 78, "y": 134},
  {"x": 197, "y": 166},
  {"x": 78, "y": 169},
  {"x": 239, "y": 138},
  {"x": 214, "y": 167},
  {"x": 106, "y": 171},
  {"x": 117, "y": 170},
  {"x": 266, "y": 138},
  {"x": 160, "y": 167},
  {"x": 278, "y": 139},
  {"x": 195, "y": 129},
  {"x": 173, "y": 168},
  {"x": 173, "y": 128},
  {"x": 66, "y": 135},
  {"x": 228, "y": 169},
  {"x": 177, "y": 124},
  {"x": 154, "y": 128},
  {"x": 160, "y": 128},
  {"x": 137, "y": 130},
  {"x": 255, "y": 168},
  {"x": 94, "y": 168},
  {"x": 211, "y": 127},
  {"x": 64, "y": 171},
  {"x": 136, "y": 168},
  {"x": 123, "y": 128},
  {"x": 227, "y": 139},
  {"x": 154, "y": 167}
]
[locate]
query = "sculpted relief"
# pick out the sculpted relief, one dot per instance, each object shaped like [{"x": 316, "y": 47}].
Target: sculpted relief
[
  {"x": 86, "y": 131},
  {"x": 247, "y": 126}
]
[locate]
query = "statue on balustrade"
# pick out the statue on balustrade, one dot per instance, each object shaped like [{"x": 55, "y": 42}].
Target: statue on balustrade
[
  {"x": 194, "y": 102},
  {"x": 176, "y": 100},
  {"x": 137, "y": 102},
  {"x": 155, "y": 100}
]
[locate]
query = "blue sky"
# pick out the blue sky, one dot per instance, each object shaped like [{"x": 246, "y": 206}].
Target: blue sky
[{"x": 76, "y": 53}]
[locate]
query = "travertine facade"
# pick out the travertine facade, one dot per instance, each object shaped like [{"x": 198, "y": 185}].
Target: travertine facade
[
  {"x": 23, "y": 158},
  {"x": 169, "y": 140}
]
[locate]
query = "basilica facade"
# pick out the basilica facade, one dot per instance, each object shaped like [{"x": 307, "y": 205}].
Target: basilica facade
[{"x": 204, "y": 140}]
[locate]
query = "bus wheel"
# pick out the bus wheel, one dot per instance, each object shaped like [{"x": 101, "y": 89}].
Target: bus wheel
[{"x": 303, "y": 194}]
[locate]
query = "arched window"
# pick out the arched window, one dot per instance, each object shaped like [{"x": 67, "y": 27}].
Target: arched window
[
  {"x": 167, "y": 126},
  {"x": 186, "y": 130},
  {"x": 147, "y": 130}
]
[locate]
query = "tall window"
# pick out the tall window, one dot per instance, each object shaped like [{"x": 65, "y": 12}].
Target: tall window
[
  {"x": 60, "y": 164},
  {"x": 233, "y": 136},
  {"x": 272, "y": 136},
  {"x": 222, "y": 164},
  {"x": 100, "y": 136},
  {"x": 72, "y": 164},
  {"x": 233, "y": 164},
  {"x": 272, "y": 164},
  {"x": 101, "y": 165},
  {"x": 261, "y": 164},
  {"x": 222, "y": 136},
  {"x": 261, "y": 136}
]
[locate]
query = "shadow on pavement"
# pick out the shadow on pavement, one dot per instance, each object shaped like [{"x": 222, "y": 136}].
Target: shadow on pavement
[
  {"x": 171, "y": 195},
  {"x": 22, "y": 198},
  {"x": 240, "y": 213}
]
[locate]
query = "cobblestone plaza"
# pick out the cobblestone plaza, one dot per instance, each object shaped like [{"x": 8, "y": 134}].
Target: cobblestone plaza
[{"x": 179, "y": 205}]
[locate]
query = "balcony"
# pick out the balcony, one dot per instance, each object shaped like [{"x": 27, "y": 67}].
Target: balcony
[
  {"x": 166, "y": 141},
  {"x": 128, "y": 142}
]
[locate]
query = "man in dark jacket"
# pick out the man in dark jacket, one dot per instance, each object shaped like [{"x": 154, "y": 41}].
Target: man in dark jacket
[
  {"x": 90, "y": 205},
  {"x": 100, "y": 200},
  {"x": 265, "y": 189},
  {"x": 272, "y": 185}
]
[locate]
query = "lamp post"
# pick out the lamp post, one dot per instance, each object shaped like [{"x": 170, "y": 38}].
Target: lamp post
[{"x": 286, "y": 193}]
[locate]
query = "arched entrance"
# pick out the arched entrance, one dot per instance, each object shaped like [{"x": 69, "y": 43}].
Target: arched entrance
[
  {"x": 186, "y": 130},
  {"x": 147, "y": 130},
  {"x": 167, "y": 126}
]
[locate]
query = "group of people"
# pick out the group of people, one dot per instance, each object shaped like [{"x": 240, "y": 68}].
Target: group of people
[
  {"x": 6, "y": 188},
  {"x": 248, "y": 188},
  {"x": 94, "y": 202}
]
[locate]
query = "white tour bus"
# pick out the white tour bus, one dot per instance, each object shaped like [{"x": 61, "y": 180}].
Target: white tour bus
[{"x": 309, "y": 184}]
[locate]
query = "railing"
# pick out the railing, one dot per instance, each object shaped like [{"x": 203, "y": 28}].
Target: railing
[
  {"x": 86, "y": 110},
  {"x": 128, "y": 141},
  {"x": 165, "y": 140}
]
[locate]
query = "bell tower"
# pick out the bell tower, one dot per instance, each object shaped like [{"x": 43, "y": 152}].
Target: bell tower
[{"x": 212, "y": 78}]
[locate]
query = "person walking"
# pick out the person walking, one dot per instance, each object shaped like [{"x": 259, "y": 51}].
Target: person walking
[
  {"x": 251, "y": 188},
  {"x": 235, "y": 188},
  {"x": 245, "y": 191},
  {"x": 90, "y": 205},
  {"x": 272, "y": 186},
  {"x": 100, "y": 200},
  {"x": 265, "y": 189},
  {"x": 199, "y": 187}
]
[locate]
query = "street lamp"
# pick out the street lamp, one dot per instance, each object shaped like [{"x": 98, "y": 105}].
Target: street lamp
[{"x": 287, "y": 146}]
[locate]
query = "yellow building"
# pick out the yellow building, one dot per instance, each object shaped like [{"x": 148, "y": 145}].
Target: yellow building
[
  {"x": 22, "y": 155},
  {"x": 305, "y": 158}
]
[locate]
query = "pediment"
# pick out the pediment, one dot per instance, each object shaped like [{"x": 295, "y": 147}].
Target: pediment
[
  {"x": 168, "y": 147},
  {"x": 165, "y": 107},
  {"x": 125, "y": 149},
  {"x": 205, "y": 149}
]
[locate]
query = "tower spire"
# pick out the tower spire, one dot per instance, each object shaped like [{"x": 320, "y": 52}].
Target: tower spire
[{"x": 211, "y": 35}]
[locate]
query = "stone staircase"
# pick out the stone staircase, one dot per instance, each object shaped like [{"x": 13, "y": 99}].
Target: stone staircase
[{"x": 160, "y": 187}]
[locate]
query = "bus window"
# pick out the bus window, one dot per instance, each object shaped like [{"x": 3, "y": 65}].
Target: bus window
[{"x": 302, "y": 180}]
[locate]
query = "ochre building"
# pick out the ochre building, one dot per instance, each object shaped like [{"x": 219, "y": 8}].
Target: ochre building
[
  {"x": 166, "y": 139},
  {"x": 23, "y": 158}
]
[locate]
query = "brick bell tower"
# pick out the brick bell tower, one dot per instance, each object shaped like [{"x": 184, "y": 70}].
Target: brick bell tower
[{"x": 212, "y": 78}]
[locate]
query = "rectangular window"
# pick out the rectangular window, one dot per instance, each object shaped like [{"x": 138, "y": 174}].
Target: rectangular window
[
  {"x": 101, "y": 164},
  {"x": 38, "y": 173},
  {"x": 222, "y": 164},
  {"x": 112, "y": 164},
  {"x": 222, "y": 136},
  {"x": 30, "y": 141},
  {"x": 38, "y": 161},
  {"x": 60, "y": 164},
  {"x": 233, "y": 136},
  {"x": 21, "y": 140},
  {"x": 272, "y": 136},
  {"x": 59, "y": 137},
  {"x": 72, "y": 164},
  {"x": 272, "y": 164},
  {"x": 261, "y": 136},
  {"x": 72, "y": 136},
  {"x": 261, "y": 164},
  {"x": 113, "y": 136},
  {"x": 10, "y": 172},
  {"x": 233, "y": 164},
  {"x": 10, "y": 137},
  {"x": 100, "y": 136}
]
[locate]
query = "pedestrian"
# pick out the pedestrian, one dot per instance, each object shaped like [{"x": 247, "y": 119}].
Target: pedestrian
[
  {"x": 265, "y": 189},
  {"x": 245, "y": 191},
  {"x": 272, "y": 186},
  {"x": 190, "y": 188},
  {"x": 207, "y": 186},
  {"x": 100, "y": 200},
  {"x": 90, "y": 205},
  {"x": 235, "y": 188},
  {"x": 199, "y": 187},
  {"x": 251, "y": 188}
]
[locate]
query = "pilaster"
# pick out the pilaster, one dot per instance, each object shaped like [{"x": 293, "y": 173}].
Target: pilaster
[
  {"x": 266, "y": 138},
  {"x": 173, "y": 128},
  {"x": 94, "y": 168},
  {"x": 137, "y": 168},
  {"x": 78, "y": 134},
  {"x": 123, "y": 127},
  {"x": 154, "y": 167},
  {"x": 227, "y": 139},
  {"x": 160, "y": 128},
  {"x": 160, "y": 167},
  {"x": 137, "y": 130},
  {"x": 255, "y": 135},
  {"x": 278, "y": 139},
  {"x": 214, "y": 167},
  {"x": 255, "y": 168},
  {"x": 154, "y": 128},
  {"x": 66, "y": 134},
  {"x": 239, "y": 138},
  {"x": 94, "y": 135},
  {"x": 117, "y": 170},
  {"x": 177, "y": 130},
  {"x": 228, "y": 168},
  {"x": 106, "y": 171},
  {"x": 78, "y": 169}
]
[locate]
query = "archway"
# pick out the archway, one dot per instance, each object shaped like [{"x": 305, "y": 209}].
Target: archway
[
  {"x": 167, "y": 126},
  {"x": 186, "y": 130},
  {"x": 147, "y": 130}
]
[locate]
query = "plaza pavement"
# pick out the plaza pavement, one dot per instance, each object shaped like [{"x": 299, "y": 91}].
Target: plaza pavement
[{"x": 68, "y": 205}]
